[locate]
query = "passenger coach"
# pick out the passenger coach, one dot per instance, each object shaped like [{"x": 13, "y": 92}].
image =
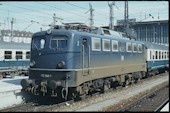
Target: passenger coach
[
  {"x": 14, "y": 58},
  {"x": 157, "y": 57}
]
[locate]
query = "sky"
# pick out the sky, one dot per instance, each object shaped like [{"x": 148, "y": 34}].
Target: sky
[{"x": 41, "y": 13}]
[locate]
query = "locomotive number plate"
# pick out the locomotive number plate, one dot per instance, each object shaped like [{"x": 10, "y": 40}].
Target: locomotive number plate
[{"x": 46, "y": 75}]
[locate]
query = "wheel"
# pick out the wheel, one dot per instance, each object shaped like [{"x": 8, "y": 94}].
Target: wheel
[{"x": 76, "y": 96}]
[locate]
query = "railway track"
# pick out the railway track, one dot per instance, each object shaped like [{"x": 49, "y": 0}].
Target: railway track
[
  {"x": 153, "y": 101},
  {"x": 71, "y": 105}
]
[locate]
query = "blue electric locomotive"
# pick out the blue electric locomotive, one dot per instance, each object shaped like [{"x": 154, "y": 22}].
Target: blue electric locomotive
[{"x": 70, "y": 62}]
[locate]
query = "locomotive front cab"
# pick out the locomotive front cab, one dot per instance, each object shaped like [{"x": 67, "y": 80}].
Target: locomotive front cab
[{"x": 51, "y": 59}]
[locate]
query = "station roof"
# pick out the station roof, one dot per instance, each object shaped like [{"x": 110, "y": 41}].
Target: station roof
[{"x": 150, "y": 45}]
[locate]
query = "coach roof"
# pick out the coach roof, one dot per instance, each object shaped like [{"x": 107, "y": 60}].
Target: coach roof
[{"x": 150, "y": 45}]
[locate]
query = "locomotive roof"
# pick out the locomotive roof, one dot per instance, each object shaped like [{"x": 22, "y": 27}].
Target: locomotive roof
[
  {"x": 150, "y": 45},
  {"x": 14, "y": 45},
  {"x": 107, "y": 36},
  {"x": 83, "y": 33}
]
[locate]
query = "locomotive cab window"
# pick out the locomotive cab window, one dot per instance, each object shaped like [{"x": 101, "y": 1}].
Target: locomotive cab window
[
  {"x": 96, "y": 44},
  {"x": 8, "y": 54},
  {"x": 42, "y": 43},
  {"x": 59, "y": 42},
  {"x": 39, "y": 43}
]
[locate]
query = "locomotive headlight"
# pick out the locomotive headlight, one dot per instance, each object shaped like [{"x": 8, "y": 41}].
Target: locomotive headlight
[
  {"x": 61, "y": 64},
  {"x": 32, "y": 63}
]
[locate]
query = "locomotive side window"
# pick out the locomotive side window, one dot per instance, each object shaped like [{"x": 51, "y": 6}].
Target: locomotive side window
[
  {"x": 18, "y": 55},
  {"x": 106, "y": 45},
  {"x": 139, "y": 48},
  {"x": 8, "y": 54},
  {"x": 59, "y": 42},
  {"x": 134, "y": 47},
  {"x": 128, "y": 47},
  {"x": 122, "y": 46},
  {"x": 114, "y": 45},
  {"x": 27, "y": 55},
  {"x": 96, "y": 44}
]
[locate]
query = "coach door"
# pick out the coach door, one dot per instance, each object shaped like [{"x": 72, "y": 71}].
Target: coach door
[{"x": 85, "y": 56}]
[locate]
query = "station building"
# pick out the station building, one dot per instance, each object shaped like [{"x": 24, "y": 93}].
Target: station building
[
  {"x": 18, "y": 36},
  {"x": 150, "y": 31}
]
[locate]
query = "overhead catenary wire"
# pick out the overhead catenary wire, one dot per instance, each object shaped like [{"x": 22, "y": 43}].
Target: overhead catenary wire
[
  {"x": 163, "y": 3},
  {"x": 85, "y": 9},
  {"x": 46, "y": 14},
  {"x": 66, "y": 11}
]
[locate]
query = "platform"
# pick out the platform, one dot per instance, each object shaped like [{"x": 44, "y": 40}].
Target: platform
[
  {"x": 9, "y": 91},
  {"x": 11, "y": 84}
]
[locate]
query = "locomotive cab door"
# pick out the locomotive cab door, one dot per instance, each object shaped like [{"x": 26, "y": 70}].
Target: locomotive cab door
[{"x": 85, "y": 56}]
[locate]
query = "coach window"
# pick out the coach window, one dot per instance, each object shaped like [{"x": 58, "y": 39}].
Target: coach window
[
  {"x": 150, "y": 55},
  {"x": 134, "y": 47},
  {"x": 162, "y": 55},
  {"x": 96, "y": 44},
  {"x": 128, "y": 47},
  {"x": 114, "y": 45},
  {"x": 159, "y": 54},
  {"x": 106, "y": 45},
  {"x": 18, "y": 55},
  {"x": 8, "y": 54},
  {"x": 156, "y": 54},
  {"x": 139, "y": 48},
  {"x": 165, "y": 55},
  {"x": 27, "y": 55}
]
